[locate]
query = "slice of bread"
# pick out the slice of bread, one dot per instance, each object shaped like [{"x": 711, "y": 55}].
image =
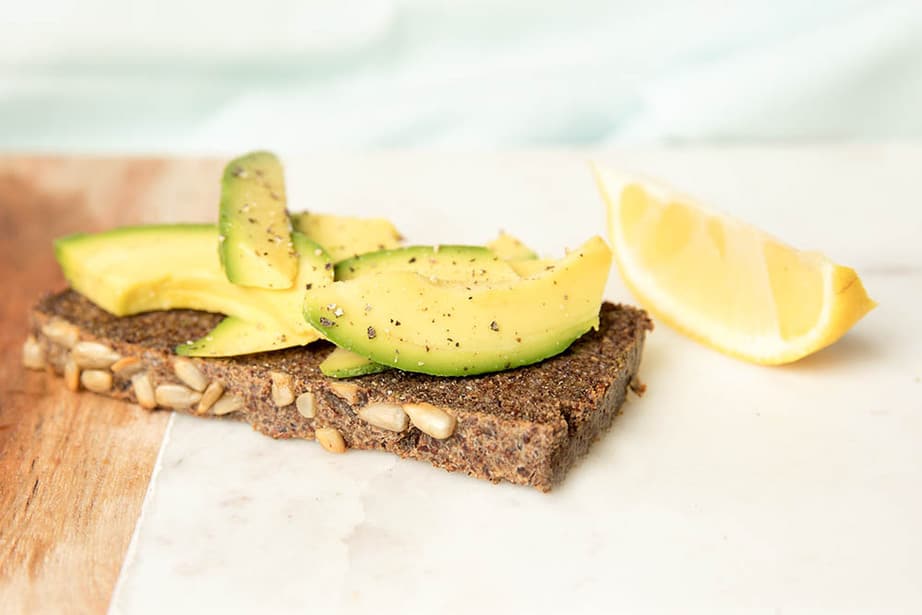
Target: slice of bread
[{"x": 526, "y": 426}]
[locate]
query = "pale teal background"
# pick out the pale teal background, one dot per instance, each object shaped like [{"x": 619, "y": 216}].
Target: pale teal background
[{"x": 210, "y": 76}]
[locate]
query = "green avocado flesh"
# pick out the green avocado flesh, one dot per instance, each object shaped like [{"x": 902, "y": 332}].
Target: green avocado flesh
[
  {"x": 419, "y": 324},
  {"x": 469, "y": 265},
  {"x": 337, "y": 235},
  {"x": 342, "y": 363},
  {"x": 234, "y": 336},
  {"x": 528, "y": 268},
  {"x": 160, "y": 267},
  {"x": 344, "y": 237},
  {"x": 509, "y": 248},
  {"x": 255, "y": 244}
]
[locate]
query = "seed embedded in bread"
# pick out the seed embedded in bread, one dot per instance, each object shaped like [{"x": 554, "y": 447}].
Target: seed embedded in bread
[
  {"x": 176, "y": 396},
  {"x": 61, "y": 332},
  {"x": 93, "y": 355},
  {"x": 305, "y": 405},
  {"x": 431, "y": 420},
  {"x": 346, "y": 390},
  {"x": 386, "y": 416},
  {"x": 282, "y": 394},
  {"x": 227, "y": 404},
  {"x": 96, "y": 380},
  {"x": 33, "y": 355},
  {"x": 190, "y": 374},
  {"x": 71, "y": 374},
  {"x": 126, "y": 367},
  {"x": 213, "y": 393},
  {"x": 143, "y": 390},
  {"x": 330, "y": 439}
]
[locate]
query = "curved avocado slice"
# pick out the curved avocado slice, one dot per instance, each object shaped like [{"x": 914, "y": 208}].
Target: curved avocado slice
[
  {"x": 471, "y": 265},
  {"x": 234, "y": 336},
  {"x": 406, "y": 320},
  {"x": 463, "y": 264},
  {"x": 256, "y": 248},
  {"x": 160, "y": 267},
  {"x": 509, "y": 248},
  {"x": 338, "y": 235},
  {"x": 530, "y": 267},
  {"x": 342, "y": 363},
  {"x": 344, "y": 236}
]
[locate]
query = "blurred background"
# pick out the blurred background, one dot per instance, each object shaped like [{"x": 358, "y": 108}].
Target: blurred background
[{"x": 212, "y": 76}]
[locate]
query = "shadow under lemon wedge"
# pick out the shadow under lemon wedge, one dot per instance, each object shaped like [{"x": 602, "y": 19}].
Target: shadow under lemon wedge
[{"x": 722, "y": 282}]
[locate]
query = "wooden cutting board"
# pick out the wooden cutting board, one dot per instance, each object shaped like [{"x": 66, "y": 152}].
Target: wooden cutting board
[{"x": 74, "y": 467}]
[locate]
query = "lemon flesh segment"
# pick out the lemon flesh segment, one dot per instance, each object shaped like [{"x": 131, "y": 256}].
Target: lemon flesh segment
[{"x": 723, "y": 282}]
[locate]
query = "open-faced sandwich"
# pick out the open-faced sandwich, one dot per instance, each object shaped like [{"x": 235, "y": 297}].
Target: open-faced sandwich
[{"x": 481, "y": 359}]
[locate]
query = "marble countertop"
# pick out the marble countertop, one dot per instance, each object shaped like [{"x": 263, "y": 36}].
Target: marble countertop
[{"x": 727, "y": 487}]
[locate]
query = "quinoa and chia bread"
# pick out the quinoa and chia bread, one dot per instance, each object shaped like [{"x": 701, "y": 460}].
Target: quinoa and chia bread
[{"x": 526, "y": 426}]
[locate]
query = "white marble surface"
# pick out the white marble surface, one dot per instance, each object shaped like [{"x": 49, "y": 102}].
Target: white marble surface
[{"x": 727, "y": 488}]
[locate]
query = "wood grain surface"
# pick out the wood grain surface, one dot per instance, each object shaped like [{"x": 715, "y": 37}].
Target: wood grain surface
[{"x": 74, "y": 467}]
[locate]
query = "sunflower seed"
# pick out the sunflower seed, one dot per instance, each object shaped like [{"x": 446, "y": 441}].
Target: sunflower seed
[
  {"x": 330, "y": 439},
  {"x": 190, "y": 374},
  {"x": 93, "y": 355},
  {"x": 431, "y": 420},
  {"x": 346, "y": 390},
  {"x": 143, "y": 390},
  {"x": 227, "y": 404},
  {"x": 213, "y": 393},
  {"x": 281, "y": 389},
  {"x": 385, "y": 416},
  {"x": 305, "y": 405},
  {"x": 97, "y": 380},
  {"x": 61, "y": 332},
  {"x": 33, "y": 355},
  {"x": 176, "y": 396}
]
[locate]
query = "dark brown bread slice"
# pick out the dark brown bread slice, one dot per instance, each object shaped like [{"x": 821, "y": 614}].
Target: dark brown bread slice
[{"x": 526, "y": 426}]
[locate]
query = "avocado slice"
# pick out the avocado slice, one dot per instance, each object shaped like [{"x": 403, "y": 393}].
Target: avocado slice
[
  {"x": 509, "y": 248},
  {"x": 343, "y": 236},
  {"x": 464, "y": 264},
  {"x": 342, "y": 363},
  {"x": 160, "y": 267},
  {"x": 256, "y": 248},
  {"x": 530, "y": 267},
  {"x": 409, "y": 321},
  {"x": 234, "y": 336}
]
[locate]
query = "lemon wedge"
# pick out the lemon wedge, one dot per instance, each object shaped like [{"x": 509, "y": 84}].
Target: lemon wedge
[{"x": 725, "y": 283}]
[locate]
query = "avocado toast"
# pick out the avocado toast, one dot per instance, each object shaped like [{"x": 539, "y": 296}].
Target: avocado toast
[{"x": 479, "y": 359}]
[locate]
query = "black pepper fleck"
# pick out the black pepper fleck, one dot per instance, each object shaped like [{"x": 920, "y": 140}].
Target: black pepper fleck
[
  {"x": 326, "y": 322},
  {"x": 372, "y": 333},
  {"x": 494, "y": 326}
]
